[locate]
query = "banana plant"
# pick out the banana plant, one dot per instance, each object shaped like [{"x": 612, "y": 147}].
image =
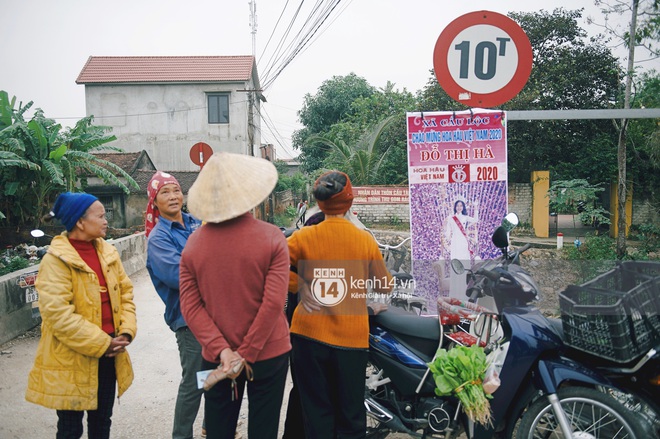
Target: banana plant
[
  {"x": 361, "y": 160},
  {"x": 40, "y": 159}
]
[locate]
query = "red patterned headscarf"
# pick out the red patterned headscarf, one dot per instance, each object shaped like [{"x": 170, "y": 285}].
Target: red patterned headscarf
[{"x": 158, "y": 180}]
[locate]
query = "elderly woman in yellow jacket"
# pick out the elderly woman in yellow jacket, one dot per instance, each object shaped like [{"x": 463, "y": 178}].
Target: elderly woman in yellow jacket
[{"x": 88, "y": 320}]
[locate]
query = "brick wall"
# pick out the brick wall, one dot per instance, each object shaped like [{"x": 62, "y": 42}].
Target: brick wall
[
  {"x": 520, "y": 201},
  {"x": 644, "y": 212},
  {"x": 382, "y": 213}
]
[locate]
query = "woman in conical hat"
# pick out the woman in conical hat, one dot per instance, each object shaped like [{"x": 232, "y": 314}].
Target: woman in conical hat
[{"x": 233, "y": 285}]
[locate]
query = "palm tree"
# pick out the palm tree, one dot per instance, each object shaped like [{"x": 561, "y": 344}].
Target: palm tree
[
  {"x": 361, "y": 160},
  {"x": 38, "y": 160}
]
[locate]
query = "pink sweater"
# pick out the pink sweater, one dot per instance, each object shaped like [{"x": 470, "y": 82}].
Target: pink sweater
[{"x": 233, "y": 286}]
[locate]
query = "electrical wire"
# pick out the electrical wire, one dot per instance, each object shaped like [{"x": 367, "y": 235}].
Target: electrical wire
[
  {"x": 319, "y": 15},
  {"x": 279, "y": 139},
  {"x": 291, "y": 44}
]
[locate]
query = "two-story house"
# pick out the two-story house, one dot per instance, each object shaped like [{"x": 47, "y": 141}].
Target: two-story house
[{"x": 167, "y": 104}]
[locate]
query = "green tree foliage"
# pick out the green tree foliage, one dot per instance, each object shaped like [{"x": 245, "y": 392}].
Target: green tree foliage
[
  {"x": 569, "y": 72},
  {"x": 296, "y": 182},
  {"x": 578, "y": 197},
  {"x": 330, "y": 105},
  {"x": 38, "y": 160},
  {"x": 361, "y": 160},
  {"x": 382, "y": 104},
  {"x": 433, "y": 97},
  {"x": 358, "y": 117},
  {"x": 644, "y": 138}
]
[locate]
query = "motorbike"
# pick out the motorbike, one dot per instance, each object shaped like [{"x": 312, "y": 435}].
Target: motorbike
[{"x": 548, "y": 389}]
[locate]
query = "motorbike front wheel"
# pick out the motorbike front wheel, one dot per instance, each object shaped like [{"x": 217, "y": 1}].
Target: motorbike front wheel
[{"x": 592, "y": 414}]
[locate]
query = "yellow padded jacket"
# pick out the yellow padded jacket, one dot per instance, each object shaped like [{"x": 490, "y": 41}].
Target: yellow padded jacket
[{"x": 65, "y": 371}]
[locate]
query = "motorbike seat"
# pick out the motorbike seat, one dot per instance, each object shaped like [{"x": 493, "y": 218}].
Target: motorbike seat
[{"x": 406, "y": 323}]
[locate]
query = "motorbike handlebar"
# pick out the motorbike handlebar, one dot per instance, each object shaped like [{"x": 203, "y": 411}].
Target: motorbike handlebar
[
  {"x": 475, "y": 293},
  {"x": 387, "y": 246},
  {"x": 491, "y": 275}
]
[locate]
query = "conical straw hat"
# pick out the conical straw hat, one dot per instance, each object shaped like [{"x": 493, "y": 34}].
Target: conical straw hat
[{"x": 230, "y": 185}]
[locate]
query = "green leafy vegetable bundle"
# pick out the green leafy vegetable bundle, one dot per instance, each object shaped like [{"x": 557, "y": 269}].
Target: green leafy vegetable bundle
[{"x": 461, "y": 371}]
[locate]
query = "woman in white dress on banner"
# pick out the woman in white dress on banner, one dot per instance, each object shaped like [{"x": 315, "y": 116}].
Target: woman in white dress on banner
[{"x": 460, "y": 238}]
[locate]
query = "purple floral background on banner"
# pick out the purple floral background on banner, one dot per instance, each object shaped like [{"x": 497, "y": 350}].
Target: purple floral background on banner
[{"x": 431, "y": 206}]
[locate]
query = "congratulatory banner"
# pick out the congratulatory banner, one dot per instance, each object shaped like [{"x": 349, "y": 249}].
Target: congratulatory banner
[{"x": 457, "y": 168}]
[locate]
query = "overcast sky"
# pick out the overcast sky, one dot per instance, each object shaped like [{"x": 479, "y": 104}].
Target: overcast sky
[{"x": 45, "y": 44}]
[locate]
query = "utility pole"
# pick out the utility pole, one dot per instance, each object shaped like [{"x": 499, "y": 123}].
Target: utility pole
[
  {"x": 253, "y": 25},
  {"x": 251, "y": 97}
]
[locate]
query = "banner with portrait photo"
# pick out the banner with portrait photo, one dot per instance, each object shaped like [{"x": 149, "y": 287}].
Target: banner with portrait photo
[{"x": 457, "y": 168}]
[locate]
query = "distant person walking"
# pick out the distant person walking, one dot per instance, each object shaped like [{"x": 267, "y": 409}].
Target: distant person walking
[
  {"x": 302, "y": 210},
  {"x": 88, "y": 320},
  {"x": 167, "y": 238},
  {"x": 234, "y": 277}
]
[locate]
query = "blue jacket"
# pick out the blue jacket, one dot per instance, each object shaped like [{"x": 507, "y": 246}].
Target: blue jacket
[{"x": 166, "y": 242}]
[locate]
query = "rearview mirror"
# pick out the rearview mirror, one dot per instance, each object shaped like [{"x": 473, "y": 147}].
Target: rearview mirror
[
  {"x": 500, "y": 237},
  {"x": 457, "y": 266},
  {"x": 510, "y": 222}
]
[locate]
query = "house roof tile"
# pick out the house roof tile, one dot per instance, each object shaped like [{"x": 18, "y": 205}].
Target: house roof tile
[
  {"x": 125, "y": 160},
  {"x": 165, "y": 69},
  {"x": 185, "y": 179}
]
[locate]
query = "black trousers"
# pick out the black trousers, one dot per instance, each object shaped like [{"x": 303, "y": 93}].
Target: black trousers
[
  {"x": 265, "y": 394},
  {"x": 331, "y": 385},
  {"x": 70, "y": 422},
  {"x": 293, "y": 424}
]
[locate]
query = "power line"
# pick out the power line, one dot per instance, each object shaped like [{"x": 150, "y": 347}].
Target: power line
[
  {"x": 305, "y": 40},
  {"x": 279, "y": 139},
  {"x": 319, "y": 15},
  {"x": 284, "y": 53}
]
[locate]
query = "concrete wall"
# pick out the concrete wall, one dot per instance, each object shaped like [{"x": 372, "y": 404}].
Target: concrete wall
[
  {"x": 167, "y": 120},
  {"x": 644, "y": 212},
  {"x": 136, "y": 209},
  {"x": 17, "y": 293},
  {"x": 520, "y": 201}
]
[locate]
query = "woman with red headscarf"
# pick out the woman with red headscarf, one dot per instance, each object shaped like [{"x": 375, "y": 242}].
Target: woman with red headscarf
[
  {"x": 168, "y": 229},
  {"x": 336, "y": 264}
]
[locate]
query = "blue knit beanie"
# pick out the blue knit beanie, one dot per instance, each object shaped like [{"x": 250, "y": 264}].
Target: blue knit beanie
[{"x": 69, "y": 207}]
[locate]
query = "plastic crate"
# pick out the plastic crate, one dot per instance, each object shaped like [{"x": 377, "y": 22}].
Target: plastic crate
[
  {"x": 601, "y": 320},
  {"x": 626, "y": 276}
]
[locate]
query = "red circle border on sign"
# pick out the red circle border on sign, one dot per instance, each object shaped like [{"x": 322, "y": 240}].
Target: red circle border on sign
[{"x": 520, "y": 77}]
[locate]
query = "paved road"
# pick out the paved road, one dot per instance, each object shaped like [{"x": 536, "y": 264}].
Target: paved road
[{"x": 144, "y": 411}]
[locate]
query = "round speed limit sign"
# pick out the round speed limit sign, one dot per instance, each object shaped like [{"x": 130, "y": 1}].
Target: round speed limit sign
[{"x": 482, "y": 59}]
